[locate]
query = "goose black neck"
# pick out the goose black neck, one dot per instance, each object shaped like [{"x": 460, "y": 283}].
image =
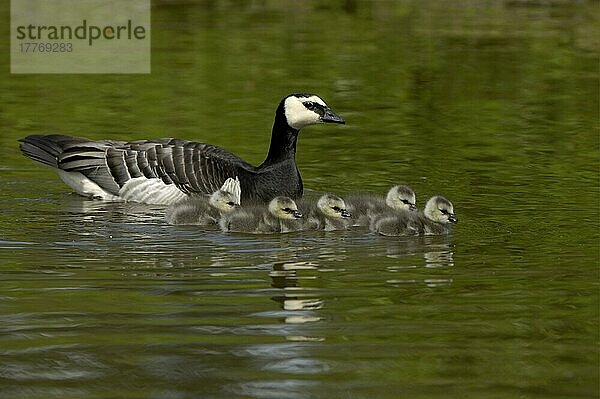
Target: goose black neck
[{"x": 283, "y": 140}]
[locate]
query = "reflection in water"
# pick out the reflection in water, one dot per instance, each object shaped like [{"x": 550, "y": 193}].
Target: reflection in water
[
  {"x": 105, "y": 300},
  {"x": 440, "y": 255},
  {"x": 295, "y": 298},
  {"x": 417, "y": 252}
]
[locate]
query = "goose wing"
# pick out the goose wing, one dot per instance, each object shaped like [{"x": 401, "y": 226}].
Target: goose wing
[{"x": 193, "y": 167}]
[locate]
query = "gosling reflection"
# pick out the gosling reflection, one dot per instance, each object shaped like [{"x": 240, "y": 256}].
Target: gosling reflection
[
  {"x": 442, "y": 257},
  {"x": 294, "y": 298},
  {"x": 409, "y": 258}
]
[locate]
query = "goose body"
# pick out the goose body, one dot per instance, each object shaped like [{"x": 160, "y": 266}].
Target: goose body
[
  {"x": 366, "y": 206},
  {"x": 435, "y": 219},
  {"x": 165, "y": 171},
  {"x": 327, "y": 213},
  {"x": 205, "y": 209},
  {"x": 280, "y": 216}
]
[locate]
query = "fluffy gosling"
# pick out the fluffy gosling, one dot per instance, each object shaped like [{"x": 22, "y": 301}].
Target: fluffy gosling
[
  {"x": 365, "y": 206},
  {"x": 327, "y": 213},
  {"x": 280, "y": 216},
  {"x": 206, "y": 210},
  {"x": 436, "y": 219}
]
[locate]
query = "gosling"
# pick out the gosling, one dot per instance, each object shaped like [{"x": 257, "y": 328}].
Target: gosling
[
  {"x": 328, "y": 213},
  {"x": 436, "y": 219},
  {"x": 207, "y": 209},
  {"x": 280, "y": 216},
  {"x": 364, "y": 206}
]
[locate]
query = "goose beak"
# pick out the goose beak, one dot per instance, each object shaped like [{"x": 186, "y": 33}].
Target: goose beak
[
  {"x": 331, "y": 117},
  {"x": 298, "y": 214},
  {"x": 452, "y": 218},
  {"x": 345, "y": 213}
]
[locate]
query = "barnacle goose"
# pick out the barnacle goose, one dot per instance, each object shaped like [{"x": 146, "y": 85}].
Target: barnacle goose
[
  {"x": 206, "y": 209},
  {"x": 436, "y": 219},
  {"x": 327, "y": 213},
  {"x": 164, "y": 171},
  {"x": 281, "y": 215},
  {"x": 366, "y": 206}
]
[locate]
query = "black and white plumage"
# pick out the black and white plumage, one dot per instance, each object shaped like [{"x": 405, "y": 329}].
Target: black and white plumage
[
  {"x": 281, "y": 215},
  {"x": 206, "y": 209},
  {"x": 327, "y": 213},
  {"x": 366, "y": 206},
  {"x": 435, "y": 219},
  {"x": 165, "y": 171}
]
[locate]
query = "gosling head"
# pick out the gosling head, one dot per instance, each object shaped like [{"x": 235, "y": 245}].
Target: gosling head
[
  {"x": 440, "y": 210},
  {"x": 223, "y": 201},
  {"x": 304, "y": 109},
  {"x": 284, "y": 208},
  {"x": 401, "y": 197},
  {"x": 333, "y": 206}
]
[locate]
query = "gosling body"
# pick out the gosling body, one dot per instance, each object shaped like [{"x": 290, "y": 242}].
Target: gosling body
[
  {"x": 366, "y": 206},
  {"x": 206, "y": 209},
  {"x": 436, "y": 219},
  {"x": 280, "y": 216},
  {"x": 326, "y": 213}
]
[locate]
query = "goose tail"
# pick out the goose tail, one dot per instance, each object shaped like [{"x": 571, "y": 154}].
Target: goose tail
[{"x": 46, "y": 148}]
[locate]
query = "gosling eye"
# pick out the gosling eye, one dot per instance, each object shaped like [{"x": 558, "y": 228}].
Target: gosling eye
[
  {"x": 288, "y": 210},
  {"x": 405, "y": 202},
  {"x": 336, "y": 208},
  {"x": 231, "y": 203},
  {"x": 444, "y": 211}
]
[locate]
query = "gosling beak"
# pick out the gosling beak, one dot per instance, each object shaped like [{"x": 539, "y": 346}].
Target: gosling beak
[
  {"x": 331, "y": 117},
  {"x": 452, "y": 218},
  {"x": 345, "y": 213},
  {"x": 297, "y": 214}
]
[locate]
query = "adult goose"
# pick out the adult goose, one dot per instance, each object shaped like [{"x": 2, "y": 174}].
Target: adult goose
[{"x": 165, "y": 171}]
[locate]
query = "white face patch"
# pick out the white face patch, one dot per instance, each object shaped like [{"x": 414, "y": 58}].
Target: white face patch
[
  {"x": 397, "y": 194},
  {"x": 297, "y": 115},
  {"x": 326, "y": 204},
  {"x": 434, "y": 207},
  {"x": 222, "y": 201},
  {"x": 277, "y": 205}
]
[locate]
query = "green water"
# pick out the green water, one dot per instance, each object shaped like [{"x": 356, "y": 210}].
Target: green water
[{"x": 492, "y": 104}]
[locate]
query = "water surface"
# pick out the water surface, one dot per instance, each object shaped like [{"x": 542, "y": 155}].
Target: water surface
[{"x": 494, "y": 105}]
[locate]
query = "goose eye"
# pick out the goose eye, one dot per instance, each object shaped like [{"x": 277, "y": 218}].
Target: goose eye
[{"x": 310, "y": 105}]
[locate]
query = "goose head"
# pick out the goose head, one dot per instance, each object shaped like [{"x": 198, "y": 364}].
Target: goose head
[
  {"x": 284, "y": 208},
  {"x": 401, "y": 197},
  {"x": 333, "y": 206},
  {"x": 223, "y": 201},
  {"x": 440, "y": 210},
  {"x": 305, "y": 109}
]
